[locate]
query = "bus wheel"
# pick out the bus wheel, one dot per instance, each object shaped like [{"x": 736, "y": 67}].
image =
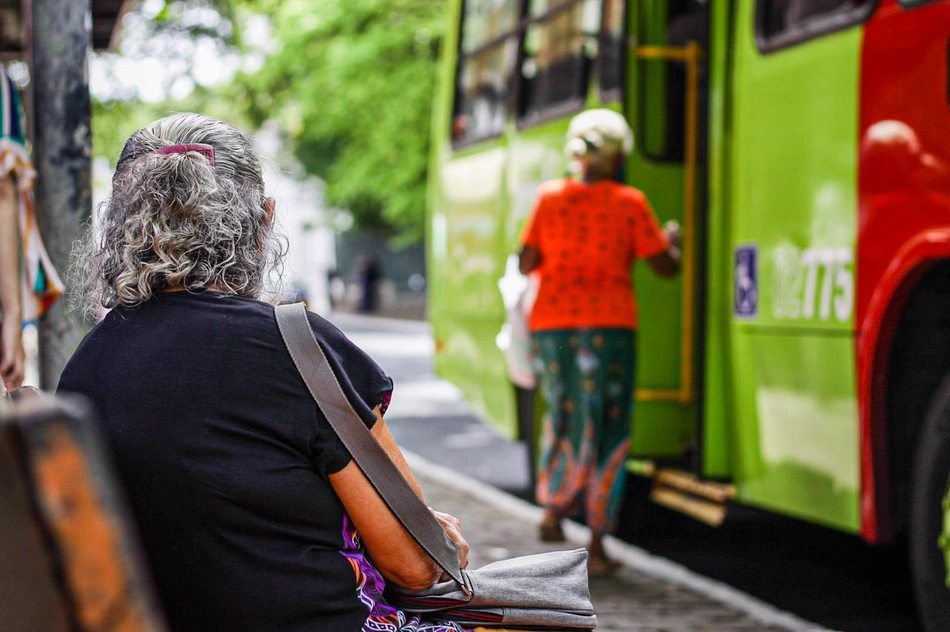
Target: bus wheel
[{"x": 929, "y": 514}]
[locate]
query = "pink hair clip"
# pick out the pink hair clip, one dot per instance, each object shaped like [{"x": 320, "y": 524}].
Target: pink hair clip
[{"x": 205, "y": 150}]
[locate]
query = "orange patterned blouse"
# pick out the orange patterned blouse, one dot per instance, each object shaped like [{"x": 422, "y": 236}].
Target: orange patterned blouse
[{"x": 589, "y": 236}]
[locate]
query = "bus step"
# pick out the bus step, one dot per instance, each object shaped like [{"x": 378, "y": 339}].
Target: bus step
[
  {"x": 680, "y": 491},
  {"x": 697, "y": 508},
  {"x": 688, "y": 483}
]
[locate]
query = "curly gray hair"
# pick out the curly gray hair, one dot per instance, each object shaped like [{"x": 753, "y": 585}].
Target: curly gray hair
[{"x": 179, "y": 220}]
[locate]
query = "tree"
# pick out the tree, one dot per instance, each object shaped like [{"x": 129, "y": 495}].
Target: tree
[
  {"x": 161, "y": 39},
  {"x": 114, "y": 120},
  {"x": 351, "y": 85}
]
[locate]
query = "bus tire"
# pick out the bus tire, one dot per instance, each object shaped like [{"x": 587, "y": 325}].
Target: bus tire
[{"x": 930, "y": 477}]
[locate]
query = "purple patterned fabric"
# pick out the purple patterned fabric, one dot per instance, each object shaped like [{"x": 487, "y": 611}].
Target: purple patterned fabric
[
  {"x": 384, "y": 403},
  {"x": 370, "y": 586}
]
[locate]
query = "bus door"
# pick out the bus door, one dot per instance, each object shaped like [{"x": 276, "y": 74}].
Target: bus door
[
  {"x": 665, "y": 104},
  {"x": 792, "y": 226}
]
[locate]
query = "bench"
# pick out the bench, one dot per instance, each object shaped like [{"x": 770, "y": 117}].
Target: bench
[{"x": 69, "y": 560}]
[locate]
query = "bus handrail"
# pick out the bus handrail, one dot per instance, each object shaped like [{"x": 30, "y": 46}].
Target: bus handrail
[{"x": 691, "y": 54}]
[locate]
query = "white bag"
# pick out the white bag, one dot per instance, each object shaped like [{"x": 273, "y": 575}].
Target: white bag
[{"x": 517, "y": 293}]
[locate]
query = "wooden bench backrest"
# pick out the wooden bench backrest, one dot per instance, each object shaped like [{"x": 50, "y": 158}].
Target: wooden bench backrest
[{"x": 69, "y": 560}]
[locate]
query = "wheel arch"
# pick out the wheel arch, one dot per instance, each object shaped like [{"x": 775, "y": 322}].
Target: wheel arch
[
  {"x": 918, "y": 362},
  {"x": 902, "y": 356}
]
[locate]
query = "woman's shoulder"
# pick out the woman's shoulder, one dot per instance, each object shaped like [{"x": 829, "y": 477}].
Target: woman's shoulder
[
  {"x": 556, "y": 188},
  {"x": 329, "y": 334},
  {"x": 353, "y": 366},
  {"x": 631, "y": 194},
  {"x": 338, "y": 344}
]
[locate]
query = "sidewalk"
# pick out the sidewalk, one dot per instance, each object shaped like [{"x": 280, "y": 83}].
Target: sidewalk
[
  {"x": 647, "y": 594},
  {"x": 467, "y": 465}
]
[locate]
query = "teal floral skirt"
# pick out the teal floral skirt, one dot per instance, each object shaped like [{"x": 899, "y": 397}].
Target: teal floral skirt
[{"x": 586, "y": 379}]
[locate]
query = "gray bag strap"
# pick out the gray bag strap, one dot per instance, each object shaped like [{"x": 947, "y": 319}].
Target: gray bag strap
[{"x": 323, "y": 385}]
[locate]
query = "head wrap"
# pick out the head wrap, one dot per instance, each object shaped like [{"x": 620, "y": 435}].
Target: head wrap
[{"x": 603, "y": 132}]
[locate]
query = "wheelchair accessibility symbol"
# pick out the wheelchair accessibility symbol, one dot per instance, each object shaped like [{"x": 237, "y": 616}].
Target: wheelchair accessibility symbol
[{"x": 745, "y": 302}]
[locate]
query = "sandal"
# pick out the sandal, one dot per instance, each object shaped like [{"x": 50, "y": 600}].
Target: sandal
[
  {"x": 601, "y": 566},
  {"x": 551, "y": 531}
]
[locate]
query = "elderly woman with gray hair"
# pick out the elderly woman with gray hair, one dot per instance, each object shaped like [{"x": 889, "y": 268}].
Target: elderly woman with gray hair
[{"x": 252, "y": 513}]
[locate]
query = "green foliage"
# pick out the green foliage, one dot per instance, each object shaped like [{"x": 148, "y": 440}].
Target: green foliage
[
  {"x": 349, "y": 83},
  {"x": 177, "y": 17},
  {"x": 167, "y": 31},
  {"x": 351, "y": 86},
  {"x": 114, "y": 121}
]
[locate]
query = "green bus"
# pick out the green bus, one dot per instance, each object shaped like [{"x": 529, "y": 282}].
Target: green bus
[{"x": 801, "y": 362}]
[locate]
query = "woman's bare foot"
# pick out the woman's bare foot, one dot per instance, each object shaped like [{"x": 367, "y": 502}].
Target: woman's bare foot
[
  {"x": 550, "y": 528},
  {"x": 601, "y": 566},
  {"x": 598, "y": 564}
]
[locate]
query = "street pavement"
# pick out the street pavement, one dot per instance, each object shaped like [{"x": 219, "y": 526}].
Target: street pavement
[{"x": 469, "y": 470}]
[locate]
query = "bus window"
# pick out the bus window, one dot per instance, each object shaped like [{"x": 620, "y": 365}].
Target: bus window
[
  {"x": 662, "y": 97},
  {"x": 556, "y": 68},
  {"x": 487, "y": 59},
  {"x": 782, "y": 23},
  {"x": 612, "y": 48},
  {"x": 487, "y": 20}
]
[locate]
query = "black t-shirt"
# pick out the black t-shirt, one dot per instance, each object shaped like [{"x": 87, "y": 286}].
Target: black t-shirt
[{"x": 224, "y": 458}]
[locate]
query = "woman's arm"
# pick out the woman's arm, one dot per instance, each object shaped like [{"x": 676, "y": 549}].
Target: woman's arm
[
  {"x": 528, "y": 259},
  {"x": 397, "y": 556},
  {"x": 12, "y": 357},
  {"x": 530, "y": 256}
]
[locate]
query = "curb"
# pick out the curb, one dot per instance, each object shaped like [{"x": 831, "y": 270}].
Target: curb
[
  {"x": 631, "y": 556},
  {"x": 384, "y": 323}
]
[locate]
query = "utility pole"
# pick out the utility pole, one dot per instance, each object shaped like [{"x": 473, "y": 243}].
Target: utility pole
[{"x": 62, "y": 146}]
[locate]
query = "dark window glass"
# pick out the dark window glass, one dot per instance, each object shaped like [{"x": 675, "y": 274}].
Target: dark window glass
[
  {"x": 782, "y": 23},
  {"x": 487, "y": 20},
  {"x": 662, "y": 111},
  {"x": 484, "y": 87},
  {"x": 557, "y": 56},
  {"x": 612, "y": 46},
  {"x": 487, "y": 58}
]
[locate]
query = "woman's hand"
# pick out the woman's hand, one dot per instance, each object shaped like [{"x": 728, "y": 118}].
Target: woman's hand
[
  {"x": 12, "y": 357},
  {"x": 673, "y": 233},
  {"x": 453, "y": 528},
  {"x": 667, "y": 263}
]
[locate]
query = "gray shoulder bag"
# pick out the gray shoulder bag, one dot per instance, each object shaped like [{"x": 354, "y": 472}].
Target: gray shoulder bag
[{"x": 544, "y": 591}]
